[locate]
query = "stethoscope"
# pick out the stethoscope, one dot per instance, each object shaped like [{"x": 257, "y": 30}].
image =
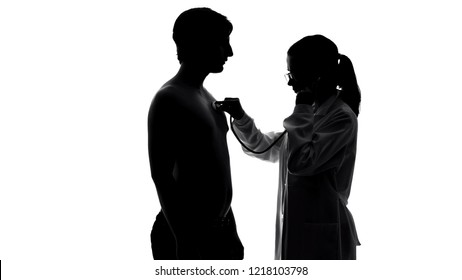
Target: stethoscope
[{"x": 216, "y": 106}]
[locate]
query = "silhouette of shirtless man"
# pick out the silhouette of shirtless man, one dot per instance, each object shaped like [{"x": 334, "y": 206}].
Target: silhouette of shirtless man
[{"x": 188, "y": 151}]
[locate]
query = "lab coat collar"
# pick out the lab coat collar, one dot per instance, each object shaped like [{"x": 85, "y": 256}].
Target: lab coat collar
[{"x": 324, "y": 108}]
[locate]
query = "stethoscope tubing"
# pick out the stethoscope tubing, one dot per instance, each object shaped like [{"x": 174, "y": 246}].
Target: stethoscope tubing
[{"x": 247, "y": 148}]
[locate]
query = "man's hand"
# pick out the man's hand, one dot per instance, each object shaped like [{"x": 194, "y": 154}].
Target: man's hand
[{"x": 232, "y": 106}]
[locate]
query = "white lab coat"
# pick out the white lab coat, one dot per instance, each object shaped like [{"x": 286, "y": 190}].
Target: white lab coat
[{"x": 316, "y": 163}]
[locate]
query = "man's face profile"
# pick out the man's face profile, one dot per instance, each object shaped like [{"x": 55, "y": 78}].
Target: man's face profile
[{"x": 215, "y": 54}]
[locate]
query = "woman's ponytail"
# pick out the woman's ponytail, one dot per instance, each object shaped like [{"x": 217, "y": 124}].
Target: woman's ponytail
[{"x": 349, "y": 89}]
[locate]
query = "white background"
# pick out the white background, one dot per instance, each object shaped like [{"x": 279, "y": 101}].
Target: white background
[{"x": 76, "y": 82}]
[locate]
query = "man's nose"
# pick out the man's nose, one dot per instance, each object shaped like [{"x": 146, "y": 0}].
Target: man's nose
[{"x": 230, "y": 51}]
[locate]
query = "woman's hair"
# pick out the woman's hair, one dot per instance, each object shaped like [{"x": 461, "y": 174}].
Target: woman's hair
[
  {"x": 320, "y": 55},
  {"x": 346, "y": 80},
  {"x": 196, "y": 28}
]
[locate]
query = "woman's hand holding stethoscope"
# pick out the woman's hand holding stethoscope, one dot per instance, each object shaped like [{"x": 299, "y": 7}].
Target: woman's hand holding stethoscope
[
  {"x": 232, "y": 106},
  {"x": 308, "y": 94},
  {"x": 305, "y": 96}
]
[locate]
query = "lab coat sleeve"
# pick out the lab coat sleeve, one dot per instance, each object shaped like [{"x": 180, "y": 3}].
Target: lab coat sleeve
[
  {"x": 253, "y": 138},
  {"x": 314, "y": 150}
]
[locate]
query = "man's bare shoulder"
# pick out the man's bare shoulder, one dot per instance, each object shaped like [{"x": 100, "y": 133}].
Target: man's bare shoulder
[
  {"x": 173, "y": 92},
  {"x": 170, "y": 97},
  {"x": 168, "y": 93}
]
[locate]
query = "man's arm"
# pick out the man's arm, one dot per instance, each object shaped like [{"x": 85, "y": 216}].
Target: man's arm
[{"x": 163, "y": 125}]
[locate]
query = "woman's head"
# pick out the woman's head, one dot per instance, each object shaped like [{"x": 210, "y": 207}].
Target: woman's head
[
  {"x": 314, "y": 63},
  {"x": 315, "y": 55}
]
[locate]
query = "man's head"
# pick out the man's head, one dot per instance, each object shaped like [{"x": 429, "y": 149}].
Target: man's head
[{"x": 201, "y": 35}]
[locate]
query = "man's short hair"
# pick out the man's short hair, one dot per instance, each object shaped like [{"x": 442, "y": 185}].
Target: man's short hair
[{"x": 199, "y": 27}]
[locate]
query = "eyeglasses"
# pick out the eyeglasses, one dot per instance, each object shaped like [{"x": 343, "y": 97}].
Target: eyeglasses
[{"x": 289, "y": 76}]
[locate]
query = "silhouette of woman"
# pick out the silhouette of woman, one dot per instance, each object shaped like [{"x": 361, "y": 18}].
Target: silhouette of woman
[{"x": 317, "y": 154}]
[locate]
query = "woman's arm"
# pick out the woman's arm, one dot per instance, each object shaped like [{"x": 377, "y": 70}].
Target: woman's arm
[
  {"x": 316, "y": 148},
  {"x": 253, "y": 138}
]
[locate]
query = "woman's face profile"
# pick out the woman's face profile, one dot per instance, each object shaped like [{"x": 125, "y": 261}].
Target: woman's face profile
[{"x": 299, "y": 74}]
